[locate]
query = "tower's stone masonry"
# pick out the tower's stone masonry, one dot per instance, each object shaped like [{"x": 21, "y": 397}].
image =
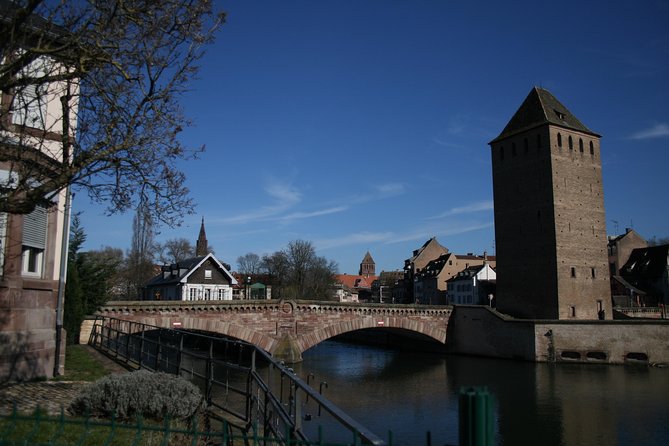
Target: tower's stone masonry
[{"x": 549, "y": 215}]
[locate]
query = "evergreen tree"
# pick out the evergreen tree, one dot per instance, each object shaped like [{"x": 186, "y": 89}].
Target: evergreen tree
[{"x": 74, "y": 308}]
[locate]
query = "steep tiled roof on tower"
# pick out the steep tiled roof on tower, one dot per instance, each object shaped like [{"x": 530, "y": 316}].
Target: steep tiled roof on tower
[
  {"x": 541, "y": 107},
  {"x": 367, "y": 266}
]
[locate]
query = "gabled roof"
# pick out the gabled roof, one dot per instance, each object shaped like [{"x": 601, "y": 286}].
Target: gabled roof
[
  {"x": 185, "y": 268},
  {"x": 467, "y": 273},
  {"x": 432, "y": 241},
  {"x": 647, "y": 263},
  {"x": 539, "y": 108}
]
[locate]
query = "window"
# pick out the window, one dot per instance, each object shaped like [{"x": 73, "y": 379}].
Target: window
[
  {"x": 207, "y": 293},
  {"x": 573, "y": 272},
  {"x": 571, "y": 143},
  {"x": 593, "y": 272},
  {"x": 29, "y": 105},
  {"x": 191, "y": 294},
  {"x": 572, "y": 311},
  {"x": 32, "y": 261},
  {"x": 207, "y": 274},
  {"x": 221, "y": 293},
  {"x": 580, "y": 145},
  {"x": 559, "y": 140},
  {"x": 592, "y": 148},
  {"x": 34, "y": 241}
]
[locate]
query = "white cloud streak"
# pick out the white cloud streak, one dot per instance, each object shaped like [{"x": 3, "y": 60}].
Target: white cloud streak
[
  {"x": 354, "y": 239},
  {"x": 285, "y": 197},
  {"x": 426, "y": 233},
  {"x": 477, "y": 206},
  {"x": 657, "y": 131}
]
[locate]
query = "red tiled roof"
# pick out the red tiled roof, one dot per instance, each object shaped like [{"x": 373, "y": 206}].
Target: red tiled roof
[{"x": 355, "y": 281}]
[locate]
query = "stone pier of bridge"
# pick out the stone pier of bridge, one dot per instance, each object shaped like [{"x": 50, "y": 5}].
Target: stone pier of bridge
[{"x": 284, "y": 328}]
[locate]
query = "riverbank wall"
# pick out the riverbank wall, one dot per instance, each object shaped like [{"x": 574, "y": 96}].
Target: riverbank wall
[{"x": 479, "y": 330}]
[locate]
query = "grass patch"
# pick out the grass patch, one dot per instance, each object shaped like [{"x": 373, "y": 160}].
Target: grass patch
[
  {"x": 80, "y": 365},
  {"x": 41, "y": 429}
]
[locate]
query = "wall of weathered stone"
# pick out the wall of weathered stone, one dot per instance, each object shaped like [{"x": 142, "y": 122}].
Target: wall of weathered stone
[
  {"x": 27, "y": 330},
  {"x": 480, "y": 331}
]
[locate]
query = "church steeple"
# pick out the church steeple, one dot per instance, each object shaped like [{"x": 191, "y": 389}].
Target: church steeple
[
  {"x": 201, "y": 246},
  {"x": 367, "y": 266}
]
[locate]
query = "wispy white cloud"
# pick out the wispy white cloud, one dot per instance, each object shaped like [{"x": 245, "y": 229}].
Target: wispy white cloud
[
  {"x": 354, "y": 239},
  {"x": 477, "y": 206},
  {"x": 660, "y": 130},
  {"x": 450, "y": 145},
  {"x": 427, "y": 232},
  {"x": 303, "y": 215},
  {"x": 380, "y": 192},
  {"x": 285, "y": 196}
]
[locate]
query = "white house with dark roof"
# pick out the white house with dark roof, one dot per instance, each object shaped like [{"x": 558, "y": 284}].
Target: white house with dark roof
[
  {"x": 472, "y": 286},
  {"x": 197, "y": 278}
]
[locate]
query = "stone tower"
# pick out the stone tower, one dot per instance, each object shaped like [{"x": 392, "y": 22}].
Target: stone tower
[
  {"x": 201, "y": 245},
  {"x": 549, "y": 215},
  {"x": 367, "y": 266}
]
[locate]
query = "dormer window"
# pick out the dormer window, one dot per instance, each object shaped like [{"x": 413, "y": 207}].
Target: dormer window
[
  {"x": 560, "y": 115},
  {"x": 207, "y": 274}
]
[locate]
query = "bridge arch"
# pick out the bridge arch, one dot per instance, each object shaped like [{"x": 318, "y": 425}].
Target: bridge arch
[{"x": 336, "y": 329}]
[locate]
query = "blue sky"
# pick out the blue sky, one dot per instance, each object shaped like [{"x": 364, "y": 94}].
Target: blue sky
[{"x": 364, "y": 125}]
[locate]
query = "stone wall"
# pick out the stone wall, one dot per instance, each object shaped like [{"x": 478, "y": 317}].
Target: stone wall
[
  {"x": 28, "y": 330},
  {"x": 481, "y": 331}
]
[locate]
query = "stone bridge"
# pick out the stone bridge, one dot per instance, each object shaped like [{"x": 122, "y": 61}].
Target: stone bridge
[{"x": 284, "y": 328}]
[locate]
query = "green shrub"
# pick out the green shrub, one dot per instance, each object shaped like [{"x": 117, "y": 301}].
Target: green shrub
[{"x": 153, "y": 395}]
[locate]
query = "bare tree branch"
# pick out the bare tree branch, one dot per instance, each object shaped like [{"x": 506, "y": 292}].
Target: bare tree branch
[{"x": 122, "y": 67}]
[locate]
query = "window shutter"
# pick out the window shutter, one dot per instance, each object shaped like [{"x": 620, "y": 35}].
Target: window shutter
[{"x": 34, "y": 228}]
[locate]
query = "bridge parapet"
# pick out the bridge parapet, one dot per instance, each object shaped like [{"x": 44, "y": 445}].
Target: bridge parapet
[{"x": 285, "y": 328}]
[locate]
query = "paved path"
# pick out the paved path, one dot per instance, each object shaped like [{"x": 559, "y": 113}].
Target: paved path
[{"x": 49, "y": 395}]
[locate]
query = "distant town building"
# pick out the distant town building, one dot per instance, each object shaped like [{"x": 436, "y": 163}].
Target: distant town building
[
  {"x": 431, "y": 283},
  {"x": 430, "y": 250},
  {"x": 343, "y": 293},
  {"x": 352, "y": 288},
  {"x": 647, "y": 271},
  {"x": 383, "y": 288},
  {"x": 549, "y": 215},
  {"x": 350, "y": 284},
  {"x": 621, "y": 246},
  {"x": 197, "y": 278},
  {"x": 475, "y": 285}
]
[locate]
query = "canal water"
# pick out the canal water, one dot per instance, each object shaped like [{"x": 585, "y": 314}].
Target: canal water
[{"x": 411, "y": 393}]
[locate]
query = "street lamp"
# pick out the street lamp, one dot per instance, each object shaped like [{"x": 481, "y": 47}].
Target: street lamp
[{"x": 248, "y": 287}]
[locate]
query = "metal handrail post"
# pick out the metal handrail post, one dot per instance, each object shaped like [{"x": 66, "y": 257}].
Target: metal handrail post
[
  {"x": 141, "y": 349},
  {"x": 180, "y": 353},
  {"x": 158, "y": 349}
]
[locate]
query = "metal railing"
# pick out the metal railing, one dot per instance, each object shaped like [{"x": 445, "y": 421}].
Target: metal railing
[
  {"x": 242, "y": 384},
  {"x": 37, "y": 428}
]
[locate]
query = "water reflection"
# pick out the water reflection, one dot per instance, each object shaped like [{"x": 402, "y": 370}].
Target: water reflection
[{"x": 566, "y": 404}]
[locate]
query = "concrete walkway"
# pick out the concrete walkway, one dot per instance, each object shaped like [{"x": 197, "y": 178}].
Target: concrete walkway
[{"x": 49, "y": 395}]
